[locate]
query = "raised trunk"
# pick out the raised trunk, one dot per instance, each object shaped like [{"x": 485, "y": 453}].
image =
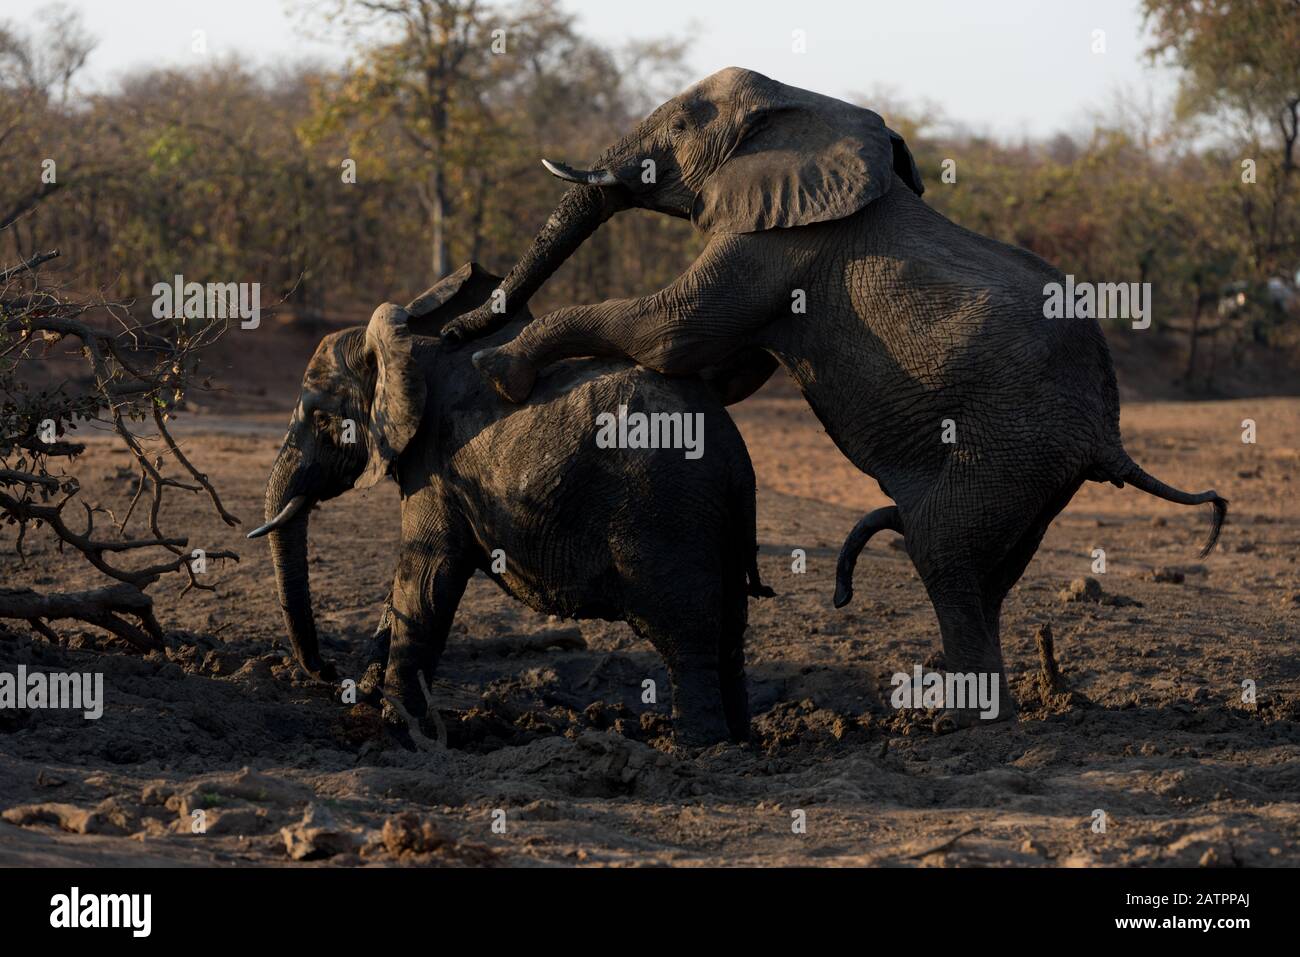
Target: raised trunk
[
  {"x": 579, "y": 214},
  {"x": 289, "y": 556}
]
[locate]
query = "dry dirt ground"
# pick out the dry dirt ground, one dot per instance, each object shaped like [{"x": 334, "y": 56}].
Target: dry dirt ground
[{"x": 1150, "y": 728}]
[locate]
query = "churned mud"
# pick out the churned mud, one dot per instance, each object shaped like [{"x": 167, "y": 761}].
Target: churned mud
[{"x": 1143, "y": 722}]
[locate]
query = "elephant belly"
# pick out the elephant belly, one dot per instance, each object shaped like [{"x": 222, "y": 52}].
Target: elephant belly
[
  {"x": 578, "y": 518},
  {"x": 969, "y": 399}
]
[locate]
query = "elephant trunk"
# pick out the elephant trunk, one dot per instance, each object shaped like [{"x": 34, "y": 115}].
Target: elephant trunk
[
  {"x": 580, "y": 213},
  {"x": 289, "y": 555}
]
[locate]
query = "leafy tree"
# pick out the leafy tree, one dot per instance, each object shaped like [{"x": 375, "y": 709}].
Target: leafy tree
[{"x": 1241, "y": 65}]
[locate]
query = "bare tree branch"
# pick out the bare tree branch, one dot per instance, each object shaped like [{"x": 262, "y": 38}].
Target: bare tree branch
[{"x": 137, "y": 373}]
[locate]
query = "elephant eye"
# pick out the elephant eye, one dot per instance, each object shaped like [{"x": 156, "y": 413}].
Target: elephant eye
[{"x": 677, "y": 125}]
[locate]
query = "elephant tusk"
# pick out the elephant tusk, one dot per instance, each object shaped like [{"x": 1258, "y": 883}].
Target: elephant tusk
[
  {"x": 288, "y": 512},
  {"x": 597, "y": 177}
]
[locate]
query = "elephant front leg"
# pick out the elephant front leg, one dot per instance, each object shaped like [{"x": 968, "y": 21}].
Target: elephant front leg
[
  {"x": 376, "y": 660},
  {"x": 512, "y": 369},
  {"x": 424, "y": 602},
  {"x": 699, "y": 322}
]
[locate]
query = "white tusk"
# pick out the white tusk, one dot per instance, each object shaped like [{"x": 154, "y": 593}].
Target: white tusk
[
  {"x": 598, "y": 177},
  {"x": 288, "y": 512}
]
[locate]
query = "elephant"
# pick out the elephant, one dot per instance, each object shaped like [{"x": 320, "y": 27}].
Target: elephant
[
  {"x": 924, "y": 349},
  {"x": 652, "y": 536},
  {"x": 877, "y": 520}
]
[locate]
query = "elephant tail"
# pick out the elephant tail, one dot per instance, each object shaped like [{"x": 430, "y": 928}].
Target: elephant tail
[
  {"x": 755, "y": 586},
  {"x": 1123, "y": 469},
  {"x": 745, "y": 527}
]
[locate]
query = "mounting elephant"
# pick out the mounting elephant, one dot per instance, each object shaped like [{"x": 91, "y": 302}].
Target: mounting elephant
[
  {"x": 652, "y": 536},
  {"x": 921, "y": 346}
]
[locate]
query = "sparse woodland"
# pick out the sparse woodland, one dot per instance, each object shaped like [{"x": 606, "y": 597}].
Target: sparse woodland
[
  {"x": 230, "y": 171},
  {"x": 337, "y": 187},
  {"x": 1157, "y": 691}
]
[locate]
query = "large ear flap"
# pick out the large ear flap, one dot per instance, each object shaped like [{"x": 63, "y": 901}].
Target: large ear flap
[
  {"x": 398, "y": 402},
  {"x": 801, "y": 158},
  {"x": 904, "y": 165},
  {"x": 456, "y": 294}
]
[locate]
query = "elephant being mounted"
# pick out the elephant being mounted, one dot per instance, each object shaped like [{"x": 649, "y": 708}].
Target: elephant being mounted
[{"x": 916, "y": 330}]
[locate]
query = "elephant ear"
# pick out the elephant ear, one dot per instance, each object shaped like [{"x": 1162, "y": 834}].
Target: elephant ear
[
  {"x": 802, "y": 158},
  {"x": 454, "y": 295},
  {"x": 398, "y": 402},
  {"x": 904, "y": 165}
]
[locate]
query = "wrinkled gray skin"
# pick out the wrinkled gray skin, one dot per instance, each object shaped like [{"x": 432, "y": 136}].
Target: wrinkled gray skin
[
  {"x": 646, "y": 536},
  {"x": 911, "y": 320}
]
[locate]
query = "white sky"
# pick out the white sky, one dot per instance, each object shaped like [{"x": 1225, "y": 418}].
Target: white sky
[{"x": 1008, "y": 67}]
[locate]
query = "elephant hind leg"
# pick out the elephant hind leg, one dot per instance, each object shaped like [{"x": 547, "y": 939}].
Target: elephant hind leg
[
  {"x": 971, "y": 645},
  {"x": 945, "y": 548},
  {"x": 688, "y": 642},
  {"x": 968, "y": 590},
  {"x": 875, "y": 521},
  {"x": 999, "y": 582},
  {"x": 1007, "y": 570}
]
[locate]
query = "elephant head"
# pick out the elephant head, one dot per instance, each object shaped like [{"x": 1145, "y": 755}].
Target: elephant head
[
  {"x": 736, "y": 153},
  {"x": 362, "y": 400}
]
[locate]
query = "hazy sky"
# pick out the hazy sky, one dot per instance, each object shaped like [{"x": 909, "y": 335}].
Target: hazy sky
[{"x": 1003, "y": 66}]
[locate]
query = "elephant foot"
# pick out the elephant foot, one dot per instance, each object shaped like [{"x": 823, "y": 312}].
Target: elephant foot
[
  {"x": 738, "y": 720},
  {"x": 510, "y": 376},
  {"x": 321, "y": 670},
  {"x": 694, "y": 739},
  {"x": 469, "y": 326},
  {"x": 372, "y": 682},
  {"x": 396, "y": 732},
  {"x": 700, "y": 733},
  {"x": 956, "y": 719}
]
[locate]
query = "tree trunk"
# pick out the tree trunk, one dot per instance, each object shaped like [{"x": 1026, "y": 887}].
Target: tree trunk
[
  {"x": 1194, "y": 337},
  {"x": 437, "y": 220}
]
